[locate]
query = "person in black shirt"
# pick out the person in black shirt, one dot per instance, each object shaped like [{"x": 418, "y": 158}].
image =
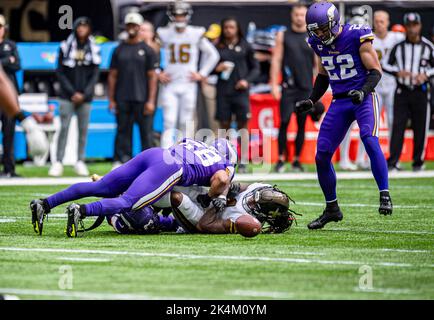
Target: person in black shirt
[
  {"x": 77, "y": 71},
  {"x": 237, "y": 69},
  {"x": 132, "y": 89},
  {"x": 10, "y": 62},
  {"x": 294, "y": 59}
]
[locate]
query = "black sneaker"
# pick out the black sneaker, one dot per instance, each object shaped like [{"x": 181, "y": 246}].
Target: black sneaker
[
  {"x": 418, "y": 168},
  {"x": 8, "y": 175},
  {"x": 296, "y": 166},
  {"x": 75, "y": 219},
  {"x": 326, "y": 217},
  {"x": 386, "y": 206},
  {"x": 242, "y": 168},
  {"x": 280, "y": 167},
  {"x": 38, "y": 215}
]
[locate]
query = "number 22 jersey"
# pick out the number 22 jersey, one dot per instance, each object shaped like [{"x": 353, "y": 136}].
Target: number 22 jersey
[
  {"x": 342, "y": 59},
  {"x": 199, "y": 162}
]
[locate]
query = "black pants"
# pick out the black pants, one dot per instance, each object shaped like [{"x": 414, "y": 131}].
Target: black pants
[
  {"x": 129, "y": 113},
  {"x": 8, "y": 130},
  {"x": 287, "y": 106},
  {"x": 412, "y": 105}
]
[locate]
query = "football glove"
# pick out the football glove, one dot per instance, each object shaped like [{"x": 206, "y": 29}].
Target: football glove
[
  {"x": 204, "y": 200},
  {"x": 303, "y": 106},
  {"x": 356, "y": 96},
  {"x": 219, "y": 203}
]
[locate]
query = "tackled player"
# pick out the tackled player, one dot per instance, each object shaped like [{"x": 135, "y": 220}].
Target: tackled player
[{"x": 144, "y": 179}]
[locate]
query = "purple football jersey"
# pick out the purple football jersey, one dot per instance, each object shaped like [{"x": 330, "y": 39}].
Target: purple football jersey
[
  {"x": 342, "y": 59},
  {"x": 200, "y": 162}
]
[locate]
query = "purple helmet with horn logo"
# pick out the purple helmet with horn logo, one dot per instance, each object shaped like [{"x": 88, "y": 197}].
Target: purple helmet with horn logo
[{"x": 322, "y": 20}]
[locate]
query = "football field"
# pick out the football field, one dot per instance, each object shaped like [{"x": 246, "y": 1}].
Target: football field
[{"x": 365, "y": 256}]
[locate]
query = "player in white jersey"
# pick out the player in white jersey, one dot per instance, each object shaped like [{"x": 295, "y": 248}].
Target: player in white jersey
[
  {"x": 182, "y": 45},
  {"x": 261, "y": 205},
  {"x": 383, "y": 43}
]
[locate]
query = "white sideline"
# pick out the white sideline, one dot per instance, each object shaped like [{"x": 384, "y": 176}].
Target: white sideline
[
  {"x": 248, "y": 177},
  {"x": 268, "y": 294},
  {"x": 384, "y": 290},
  {"x": 343, "y": 204},
  {"x": 83, "y": 259},
  {"x": 380, "y": 231},
  {"x": 213, "y": 257},
  {"x": 83, "y": 294}
]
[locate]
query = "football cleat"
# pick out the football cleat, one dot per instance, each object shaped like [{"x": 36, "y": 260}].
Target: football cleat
[
  {"x": 38, "y": 215},
  {"x": 75, "y": 219},
  {"x": 386, "y": 206},
  {"x": 326, "y": 217}
]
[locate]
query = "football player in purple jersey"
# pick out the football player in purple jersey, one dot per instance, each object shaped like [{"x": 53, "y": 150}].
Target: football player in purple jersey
[
  {"x": 349, "y": 64},
  {"x": 144, "y": 179}
]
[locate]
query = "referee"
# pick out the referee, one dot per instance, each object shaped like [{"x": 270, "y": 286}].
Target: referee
[{"x": 412, "y": 63}]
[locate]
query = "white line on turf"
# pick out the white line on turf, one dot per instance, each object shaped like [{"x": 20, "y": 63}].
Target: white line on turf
[
  {"x": 213, "y": 257},
  {"x": 239, "y": 177},
  {"x": 83, "y": 259},
  {"x": 83, "y": 294},
  {"x": 384, "y": 290},
  {"x": 405, "y": 250},
  {"x": 321, "y": 204},
  {"x": 5, "y": 220},
  {"x": 380, "y": 231},
  {"x": 267, "y": 294}
]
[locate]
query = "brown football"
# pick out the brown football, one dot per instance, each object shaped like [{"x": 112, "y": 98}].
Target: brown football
[{"x": 248, "y": 226}]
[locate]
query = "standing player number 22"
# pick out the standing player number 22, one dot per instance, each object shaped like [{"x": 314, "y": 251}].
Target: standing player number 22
[{"x": 346, "y": 63}]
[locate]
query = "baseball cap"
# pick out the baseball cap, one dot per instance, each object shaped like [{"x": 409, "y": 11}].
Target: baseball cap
[
  {"x": 2, "y": 20},
  {"x": 134, "y": 18},
  {"x": 214, "y": 31},
  {"x": 412, "y": 17}
]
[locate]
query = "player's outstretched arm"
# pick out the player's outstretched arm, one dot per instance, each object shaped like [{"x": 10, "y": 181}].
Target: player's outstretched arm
[
  {"x": 8, "y": 95},
  {"x": 319, "y": 88}
]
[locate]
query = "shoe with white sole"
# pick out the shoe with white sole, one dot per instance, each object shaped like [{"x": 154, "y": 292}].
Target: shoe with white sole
[
  {"x": 348, "y": 166},
  {"x": 56, "y": 169},
  {"x": 80, "y": 168}
]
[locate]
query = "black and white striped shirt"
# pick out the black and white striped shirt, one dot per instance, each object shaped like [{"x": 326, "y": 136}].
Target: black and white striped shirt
[{"x": 413, "y": 57}]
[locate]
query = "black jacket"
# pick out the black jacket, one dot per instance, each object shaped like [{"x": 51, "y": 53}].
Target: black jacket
[
  {"x": 246, "y": 66},
  {"x": 80, "y": 78},
  {"x": 8, "y": 49}
]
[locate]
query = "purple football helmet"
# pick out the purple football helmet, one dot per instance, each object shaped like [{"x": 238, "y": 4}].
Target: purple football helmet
[{"x": 322, "y": 20}]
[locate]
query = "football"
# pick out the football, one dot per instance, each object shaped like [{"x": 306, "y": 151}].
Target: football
[{"x": 248, "y": 226}]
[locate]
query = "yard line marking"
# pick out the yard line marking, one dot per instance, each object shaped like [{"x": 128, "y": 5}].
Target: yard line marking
[
  {"x": 239, "y": 177},
  {"x": 268, "y": 294},
  {"x": 215, "y": 257},
  {"x": 380, "y": 231},
  {"x": 84, "y": 259},
  {"x": 362, "y": 205},
  {"x": 385, "y": 290},
  {"x": 405, "y": 250},
  {"x": 84, "y": 294},
  {"x": 5, "y": 220}
]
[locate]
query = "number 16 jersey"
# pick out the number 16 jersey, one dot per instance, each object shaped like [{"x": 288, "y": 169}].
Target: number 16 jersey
[
  {"x": 342, "y": 59},
  {"x": 181, "y": 51}
]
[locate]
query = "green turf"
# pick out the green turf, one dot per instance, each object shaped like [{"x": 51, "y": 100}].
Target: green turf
[
  {"x": 207, "y": 267},
  {"x": 103, "y": 167}
]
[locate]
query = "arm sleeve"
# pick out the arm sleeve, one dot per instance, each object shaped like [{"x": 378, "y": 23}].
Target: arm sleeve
[
  {"x": 151, "y": 60},
  {"x": 210, "y": 57},
  {"x": 114, "y": 61},
  {"x": 430, "y": 70},
  {"x": 91, "y": 82},
  {"x": 252, "y": 64},
  {"x": 65, "y": 84},
  {"x": 390, "y": 66},
  {"x": 320, "y": 87},
  {"x": 9, "y": 66}
]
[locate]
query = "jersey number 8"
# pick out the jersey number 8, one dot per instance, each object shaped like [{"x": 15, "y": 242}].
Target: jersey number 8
[{"x": 346, "y": 63}]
